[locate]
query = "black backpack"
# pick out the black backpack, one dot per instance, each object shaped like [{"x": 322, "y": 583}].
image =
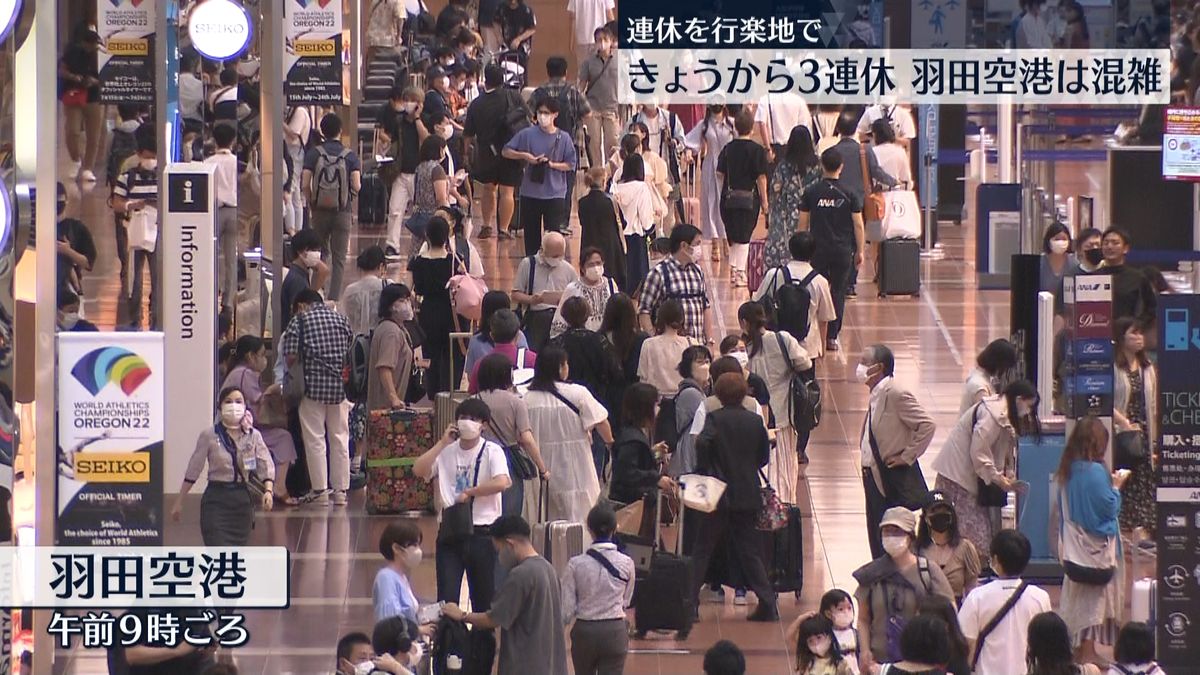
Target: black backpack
[
  {"x": 666, "y": 428},
  {"x": 357, "y": 368},
  {"x": 804, "y": 395},
  {"x": 788, "y": 308},
  {"x": 476, "y": 647}
]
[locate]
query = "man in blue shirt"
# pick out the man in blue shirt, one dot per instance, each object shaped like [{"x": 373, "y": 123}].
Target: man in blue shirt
[{"x": 550, "y": 159}]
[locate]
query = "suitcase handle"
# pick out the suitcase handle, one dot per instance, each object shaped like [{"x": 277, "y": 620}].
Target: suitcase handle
[{"x": 658, "y": 505}]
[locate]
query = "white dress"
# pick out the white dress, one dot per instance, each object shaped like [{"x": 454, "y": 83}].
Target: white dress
[
  {"x": 713, "y": 137},
  {"x": 565, "y": 440}
]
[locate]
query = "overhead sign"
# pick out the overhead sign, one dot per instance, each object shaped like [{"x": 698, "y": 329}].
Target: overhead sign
[
  {"x": 189, "y": 309},
  {"x": 110, "y": 439},
  {"x": 219, "y": 29},
  {"x": 9, "y": 11},
  {"x": 125, "y": 61},
  {"x": 1181, "y": 144},
  {"x": 1177, "y": 621},
  {"x": 312, "y": 59}
]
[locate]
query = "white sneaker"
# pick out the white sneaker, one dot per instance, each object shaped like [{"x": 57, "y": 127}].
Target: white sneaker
[
  {"x": 316, "y": 498},
  {"x": 87, "y": 176},
  {"x": 338, "y": 498},
  {"x": 73, "y": 171}
]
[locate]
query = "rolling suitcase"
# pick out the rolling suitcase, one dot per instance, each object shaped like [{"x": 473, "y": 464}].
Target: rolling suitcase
[
  {"x": 783, "y": 554},
  {"x": 662, "y": 598},
  {"x": 899, "y": 267},
  {"x": 394, "y": 441},
  {"x": 1142, "y": 603},
  {"x": 557, "y": 540},
  {"x": 446, "y": 403},
  {"x": 372, "y": 201},
  {"x": 755, "y": 264},
  {"x": 690, "y": 200}
]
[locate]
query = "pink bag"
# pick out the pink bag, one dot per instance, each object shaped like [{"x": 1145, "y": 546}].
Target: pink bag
[{"x": 466, "y": 292}]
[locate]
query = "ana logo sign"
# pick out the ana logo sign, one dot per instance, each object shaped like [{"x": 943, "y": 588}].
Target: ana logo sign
[
  {"x": 220, "y": 29},
  {"x": 111, "y": 364}
]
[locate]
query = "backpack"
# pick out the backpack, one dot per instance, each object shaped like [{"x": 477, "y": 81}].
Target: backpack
[
  {"x": 666, "y": 427},
  {"x": 476, "y": 647},
  {"x": 804, "y": 396},
  {"x": 331, "y": 180},
  {"x": 790, "y": 306},
  {"x": 895, "y": 603},
  {"x": 357, "y": 367},
  {"x": 516, "y": 118},
  {"x": 124, "y": 146}
]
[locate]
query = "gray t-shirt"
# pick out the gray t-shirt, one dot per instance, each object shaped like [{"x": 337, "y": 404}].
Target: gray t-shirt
[
  {"x": 390, "y": 347},
  {"x": 545, "y": 278},
  {"x": 509, "y": 414},
  {"x": 599, "y": 80},
  {"x": 528, "y": 609}
]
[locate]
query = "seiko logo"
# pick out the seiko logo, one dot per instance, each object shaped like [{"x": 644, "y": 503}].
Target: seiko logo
[
  {"x": 1093, "y": 320},
  {"x": 217, "y": 28}
]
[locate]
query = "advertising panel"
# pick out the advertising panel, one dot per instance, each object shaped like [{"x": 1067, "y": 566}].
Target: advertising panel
[
  {"x": 312, "y": 53},
  {"x": 110, "y": 439},
  {"x": 126, "y": 57}
]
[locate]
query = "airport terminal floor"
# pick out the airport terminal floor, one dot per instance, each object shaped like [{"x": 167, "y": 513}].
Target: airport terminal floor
[{"x": 335, "y": 549}]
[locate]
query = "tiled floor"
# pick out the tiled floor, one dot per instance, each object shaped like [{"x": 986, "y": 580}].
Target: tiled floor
[{"x": 934, "y": 337}]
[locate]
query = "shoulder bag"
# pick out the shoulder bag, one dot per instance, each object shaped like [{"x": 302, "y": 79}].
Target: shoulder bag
[
  {"x": 1086, "y": 558},
  {"x": 995, "y": 621},
  {"x": 902, "y": 485},
  {"x": 773, "y": 515},
  {"x": 293, "y": 384},
  {"x": 255, "y": 485},
  {"x": 1129, "y": 447},
  {"x": 874, "y": 206},
  {"x": 458, "y": 522},
  {"x": 520, "y": 465}
]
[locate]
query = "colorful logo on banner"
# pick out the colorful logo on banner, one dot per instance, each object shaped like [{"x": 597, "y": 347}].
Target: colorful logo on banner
[
  {"x": 119, "y": 366},
  {"x": 305, "y": 4}
]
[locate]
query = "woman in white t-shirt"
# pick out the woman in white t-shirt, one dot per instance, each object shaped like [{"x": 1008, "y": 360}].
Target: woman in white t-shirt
[
  {"x": 659, "y": 362},
  {"x": 563, "y": 416},
  {"x": 467, "y": 470}
]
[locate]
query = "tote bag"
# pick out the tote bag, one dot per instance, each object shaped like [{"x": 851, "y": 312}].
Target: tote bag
[
  {"x": 143, "y": 229},
  {"x": 1087, "y": 558},
  {"x": 901, "y": 215},
  {"x": 701, "y": 493}
]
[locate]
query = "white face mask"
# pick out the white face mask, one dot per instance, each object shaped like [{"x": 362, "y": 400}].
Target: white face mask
[
  {"x": 552, "y": 262},
  {"x": 820, "y": 646},
  {"x": 895, "y": 545},
  {"x": 150, "y": 164},
  {"x": 412, "y": 557},
  {"x": 545, "y": 120},
  {"x": 232, "y": 413},
  {"x": 446, "y": 132},
  {"x": 312, "y": 258},
  {"x": 1059, "y": 246},
  {"x": 364, "y": 668},
  {"x": 68, "y": 320},
  {"x": 742, "y": 358},
  {"x": 842, "y": 618},
  {"x": 861, "y": 373},
  {"x": 409, "y": 107},
  {"x": 593, "y": 273},
  {"x": 469, "y": 430},
  {"x": 700, "y": 371},
  {"x": 403, "y": 310}
]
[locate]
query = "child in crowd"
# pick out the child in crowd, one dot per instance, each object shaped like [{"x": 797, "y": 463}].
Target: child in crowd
[
  {"x": 837, "y": 607},
  {"x": 817, "y": 652},
  {"x": 1134, "y": 652},
  {"x": 392, "y": 595}
]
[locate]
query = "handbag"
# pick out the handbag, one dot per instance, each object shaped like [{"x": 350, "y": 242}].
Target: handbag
[
  {"x": 701, "y": 493},
  {"x": 901, "y": 215},
  {"x": 75, "y": 98},
  {"x": 293, "y": 383},
  {"x": 272, "y": 414},
  {"x": 1129, "y": 449},
  {"x": 418, "y": 222},
  {"x": 143, "y": 229},
  {"x": 520, "y": 465},
  {"x": 458, "y": 522},
  {"x": 874, "y": 206},
  {"x": 1087, "y": 558},
  {"x": 774, "y": 514},
  {"x": 740, "y": 200},
  {"x": 987, "y": 494},
  {"x": 466, "y": 292},
  {"x": 902, "y": 485}
]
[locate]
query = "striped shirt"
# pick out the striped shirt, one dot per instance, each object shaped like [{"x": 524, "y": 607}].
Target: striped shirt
[{"x": 137, "y": 183}]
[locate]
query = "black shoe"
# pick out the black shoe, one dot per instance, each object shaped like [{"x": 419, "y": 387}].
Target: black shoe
[{"x": 764, "y": 613}]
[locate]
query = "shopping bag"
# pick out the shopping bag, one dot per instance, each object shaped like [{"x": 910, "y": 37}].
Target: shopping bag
[
  {"x": 143, "y": 229},
  {"x": 902, "y": 215}
]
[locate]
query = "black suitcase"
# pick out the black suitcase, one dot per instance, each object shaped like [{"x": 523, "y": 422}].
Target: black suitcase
[
  {"x": 899, "y": 267},
  {"x": 783, "y": 555},
  {"x": 662, "y": 598},
  {"x": 372, "y": 201}
]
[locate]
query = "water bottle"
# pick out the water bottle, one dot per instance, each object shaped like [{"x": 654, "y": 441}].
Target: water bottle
[{"x": 453, "y": 664}]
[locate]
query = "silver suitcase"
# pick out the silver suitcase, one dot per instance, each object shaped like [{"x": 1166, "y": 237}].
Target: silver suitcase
[
  {"x": 558, "y": 540},
  {"x": 446, "y": 403}
]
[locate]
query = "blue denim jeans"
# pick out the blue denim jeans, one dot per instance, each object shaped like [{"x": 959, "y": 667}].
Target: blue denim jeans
[{"x": 475, "y": 557}]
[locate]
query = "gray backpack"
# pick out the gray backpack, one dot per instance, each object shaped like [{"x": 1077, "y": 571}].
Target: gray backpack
[{"x": 331, "y": 180}]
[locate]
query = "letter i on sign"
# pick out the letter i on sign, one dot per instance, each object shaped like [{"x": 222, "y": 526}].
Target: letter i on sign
[{"x": 187, "y": 192}]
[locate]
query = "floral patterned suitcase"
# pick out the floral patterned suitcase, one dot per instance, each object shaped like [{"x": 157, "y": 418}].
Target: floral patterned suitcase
[{"x": 394, "y": 441}]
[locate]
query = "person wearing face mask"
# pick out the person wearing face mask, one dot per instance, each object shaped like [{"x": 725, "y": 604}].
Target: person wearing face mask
[
  {"x": 437, "y": 97},
  {"x": 136, "y": 193},
  {"x": 539, "y": 284},
  {"x": 549, "y": 154},
  {"x": 248, "y": 363},
  {"x": 890, "y": 588},
  {"x": 391, "y": 358},
  {"x": 598, "y": 82},
  {"x": 1057, "y": 258},
  {"x": 817, "y": 652},
  {"x": 707, "y": 140},
  {"x": 896, "y": 432},
  {"x": 67, "y": 320},
  {"x": 306, "y": 271},
  {"x": 977, "y": 466},
  {"x": 593, "y": 286},
  {"x": 678, "y": 277},
  {"x": 994, "y": 369},
  {"x": 742, "y": 169},
  {"x": 1135, "y": 414},
  {"x": 528, "y": 608},
  {"x": 360, "y": 300},
  {"x": 392, "y": 594},
  {"x": 354, "y": 654},
  {"x": 470, "y": 473},
  {"x": 643, "y": 210},
  {"x": 234, "y": 452},
  {"x": 940, "y": 539},
  {"x": 402, "y": 128}
]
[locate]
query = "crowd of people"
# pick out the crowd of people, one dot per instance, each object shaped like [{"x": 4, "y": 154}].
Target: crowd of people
[{"x": 609, "y": 375}]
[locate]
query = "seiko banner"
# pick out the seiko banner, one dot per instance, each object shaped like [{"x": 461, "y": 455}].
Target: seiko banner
[
  {"x": 126, "y": 57},
  {"x": 110, "y": 439},
  {"x": 189, "y": 310},
  {"x": 312, "y": 54}
]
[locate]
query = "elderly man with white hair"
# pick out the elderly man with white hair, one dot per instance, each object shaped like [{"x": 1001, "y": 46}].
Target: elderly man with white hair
[{"x": 538, "y": 285}]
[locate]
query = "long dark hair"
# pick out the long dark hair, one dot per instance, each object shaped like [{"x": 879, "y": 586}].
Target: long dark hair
[
  {"x": 492, "y": 301},
  {"x": 941, "y": 607},
  {"x": 546, "y": 369},
  {"x": 815, "y": 626},
  {"x": 924, "y": 533},
  {"x": 1023, "y": 389},
  {"x": 801, "y": 153},
  {"x": 1120, "y": 327},
  {"x": 756, "y": 317},
  {"x": 620, "y": 323},
  {"x": 1087, "y": 442},
  {"x": 637, "y": 407},
  {"x": 245, "y": 346},
  {"x": 1048, "y": 650}
]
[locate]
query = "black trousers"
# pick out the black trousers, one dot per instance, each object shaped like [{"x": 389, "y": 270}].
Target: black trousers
[
  {"x": 744, "y": 539},
  {"x": 536, "y": 214},
  {"x": 876, "y": 505},
  {"x": 836, "y": 266}
]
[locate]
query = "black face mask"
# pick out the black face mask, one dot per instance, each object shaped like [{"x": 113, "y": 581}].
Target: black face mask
[
  {"x": 1093, "y": 256},
  {"x": 940, "y": 522}
]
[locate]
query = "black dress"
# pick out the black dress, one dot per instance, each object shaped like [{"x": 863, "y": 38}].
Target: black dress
[
  {"x": 436, "y": 318},
  {"x": 741, "y": 162},
  {"x": 598, "y": 220},
  {"x": 593, "y": 363}
]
